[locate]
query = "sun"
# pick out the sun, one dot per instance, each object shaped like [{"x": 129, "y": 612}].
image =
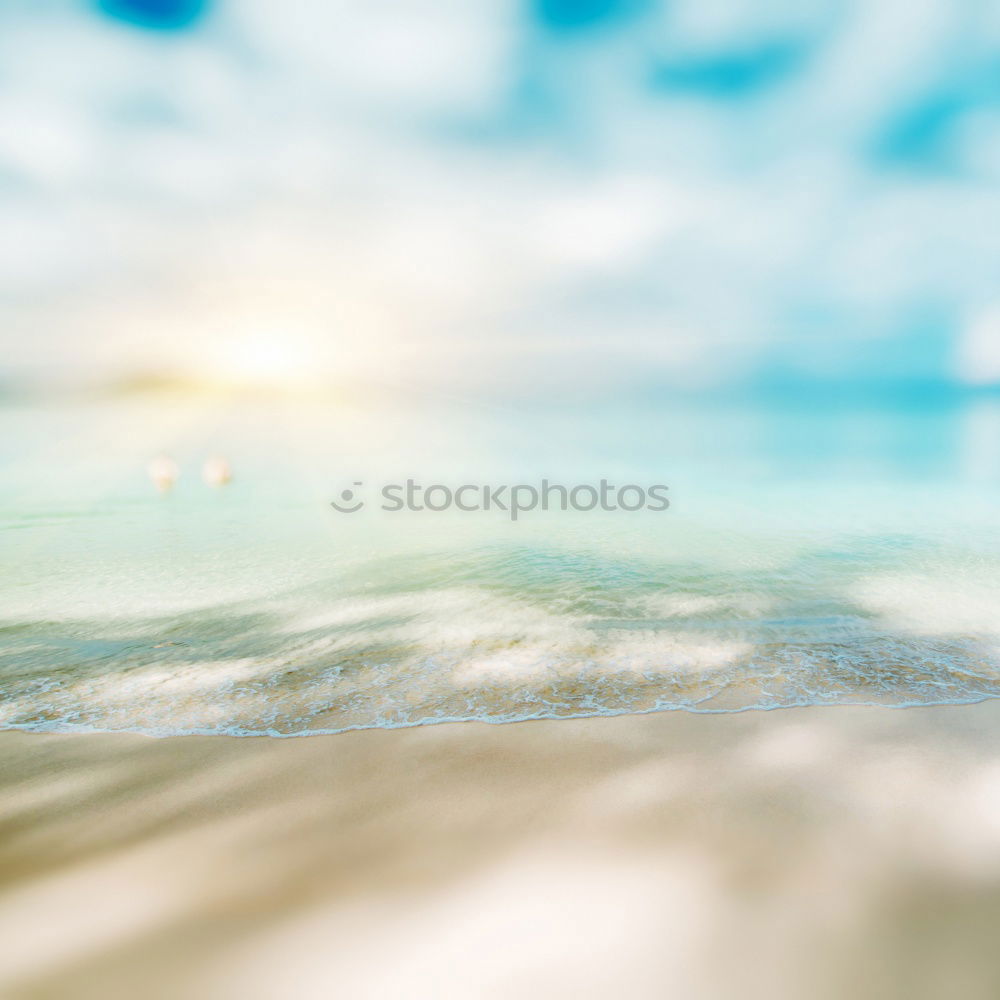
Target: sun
[{"x": 267, "y": 358}]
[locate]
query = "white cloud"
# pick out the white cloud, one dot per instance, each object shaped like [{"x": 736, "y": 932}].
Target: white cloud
[{"x": 326, "y": 140}]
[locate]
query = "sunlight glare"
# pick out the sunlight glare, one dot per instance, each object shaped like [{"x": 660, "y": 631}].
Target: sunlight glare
[{"x": 272, "y": 358}]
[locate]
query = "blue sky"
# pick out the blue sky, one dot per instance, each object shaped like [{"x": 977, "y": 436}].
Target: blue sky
[{"x": 571, "y": 196}]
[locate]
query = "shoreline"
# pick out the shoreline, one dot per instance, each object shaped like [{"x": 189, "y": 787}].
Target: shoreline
[
  {"x": 820, "y": 849},
  {"x": 254, "y": 734}
]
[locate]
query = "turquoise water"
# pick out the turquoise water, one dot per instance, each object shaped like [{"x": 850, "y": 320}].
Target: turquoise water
[{"x": 830, "y": 557}]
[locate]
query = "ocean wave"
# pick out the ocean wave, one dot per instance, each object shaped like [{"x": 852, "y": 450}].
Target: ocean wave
[{"x": 503, "y": 636}]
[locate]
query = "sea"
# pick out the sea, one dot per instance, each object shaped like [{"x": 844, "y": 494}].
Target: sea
[{"x": 814, "y": 551}]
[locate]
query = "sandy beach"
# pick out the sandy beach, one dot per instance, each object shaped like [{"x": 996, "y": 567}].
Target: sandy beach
[
  {"x": 806, "y": 852},
  {"x": 378, "y": 380}
]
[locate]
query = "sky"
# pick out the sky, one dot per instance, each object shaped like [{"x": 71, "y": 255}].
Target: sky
[{"x": 547, "y": 198}]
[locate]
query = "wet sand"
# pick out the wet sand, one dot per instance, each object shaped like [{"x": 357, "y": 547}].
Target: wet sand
[{"x": 806, "y": 852}]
